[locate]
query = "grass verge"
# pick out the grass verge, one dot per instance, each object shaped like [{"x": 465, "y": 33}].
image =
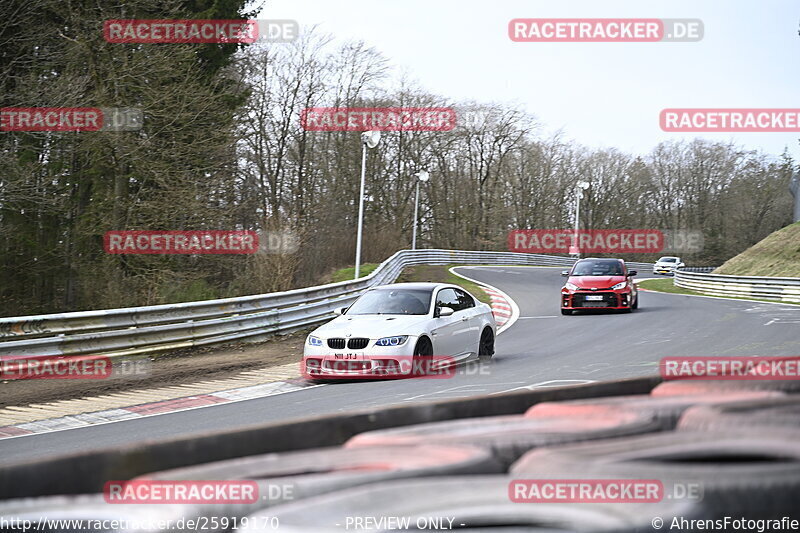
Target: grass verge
[
  {"x": 346, "y": 274},
  {"x": 665, "y": 285},
  {"x": 778, "y": 255}
]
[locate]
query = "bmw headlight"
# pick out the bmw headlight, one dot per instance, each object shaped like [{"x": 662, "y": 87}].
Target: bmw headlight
[
  {"x": 620, "y": 285},
  {"x": 392, "y": 341},
  {"x": 571, "y": 286},
  {"x": 314, "y": 341}
]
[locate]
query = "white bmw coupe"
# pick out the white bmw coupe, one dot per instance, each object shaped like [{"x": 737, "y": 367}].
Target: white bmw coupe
[{"x": 396, "y": 326}]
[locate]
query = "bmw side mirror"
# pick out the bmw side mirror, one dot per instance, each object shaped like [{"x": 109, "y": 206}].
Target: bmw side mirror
[
  {"x": 632, "y": 273},
  {"x": 565, "y": 273},
  {"x": 340, "y": 310},
  {"x": 444, "y": 311}
]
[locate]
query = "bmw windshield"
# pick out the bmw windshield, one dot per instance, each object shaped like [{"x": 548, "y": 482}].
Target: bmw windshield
[{"x": 392, "y": 302}]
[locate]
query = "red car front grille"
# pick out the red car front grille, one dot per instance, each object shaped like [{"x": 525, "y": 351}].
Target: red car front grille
[{"x": 609, "y": 299}]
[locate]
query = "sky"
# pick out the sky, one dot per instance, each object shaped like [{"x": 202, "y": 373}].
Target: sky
[{"x": 598, "y": 94}]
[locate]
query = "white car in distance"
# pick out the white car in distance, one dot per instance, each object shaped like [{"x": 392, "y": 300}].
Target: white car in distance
[
  {"x": 667, "y": 265},
  {"x": 396, "y": 327}
]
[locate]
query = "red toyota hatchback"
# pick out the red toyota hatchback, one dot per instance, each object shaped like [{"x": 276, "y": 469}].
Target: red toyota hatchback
[{"x": 599, "y": 284}]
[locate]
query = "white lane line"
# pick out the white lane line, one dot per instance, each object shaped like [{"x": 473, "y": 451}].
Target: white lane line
[
  {"x": 649, "y": 341},
  {"x": 548, "y": 384},
  {"x": 511, "y": 302},
  {"x": 459, "y": 388},
  {"x": 559, "y": 382},
  {"x": 443, "y": 391},
  {"x": 543, "y": 316}
]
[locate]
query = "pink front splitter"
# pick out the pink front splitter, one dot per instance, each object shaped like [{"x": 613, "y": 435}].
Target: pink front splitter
[{"x": 377, "y": 367}]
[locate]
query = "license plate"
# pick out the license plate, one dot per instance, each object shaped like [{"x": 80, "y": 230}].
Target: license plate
[
  {"x": 594, "y": 298},
  {"x": 347, "y": 356}
]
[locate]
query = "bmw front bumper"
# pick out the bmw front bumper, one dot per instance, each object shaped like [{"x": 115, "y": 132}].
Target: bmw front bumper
[{"x": 371, "y": 361}]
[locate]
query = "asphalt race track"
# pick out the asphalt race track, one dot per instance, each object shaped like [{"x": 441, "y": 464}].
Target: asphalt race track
[{"x": 541, "y": 349}]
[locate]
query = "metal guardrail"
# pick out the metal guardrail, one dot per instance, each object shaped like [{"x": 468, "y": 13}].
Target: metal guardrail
[
  {"x": 140, "y": 330},
  {"x": 699, "y": 269},
  {"x": 779, "y": 289}
]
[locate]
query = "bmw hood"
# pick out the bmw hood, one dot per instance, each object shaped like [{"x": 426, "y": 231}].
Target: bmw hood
[{"x": 372, "y": 326}]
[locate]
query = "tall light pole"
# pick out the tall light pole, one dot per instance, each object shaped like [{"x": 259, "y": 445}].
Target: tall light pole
[
  {"x": 579, "y": 188},
  {"x": 422, "y": 176},
  {"x": 369, "y": 139}
]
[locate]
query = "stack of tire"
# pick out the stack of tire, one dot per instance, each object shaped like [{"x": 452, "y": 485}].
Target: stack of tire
[
  {"x": 696, "y": 439},
  {"x": 279, "y": 477},
  {"x": 736, "y": 443}
]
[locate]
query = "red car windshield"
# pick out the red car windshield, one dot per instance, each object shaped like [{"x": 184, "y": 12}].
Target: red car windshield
[{"x": 598, "y": 268}]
